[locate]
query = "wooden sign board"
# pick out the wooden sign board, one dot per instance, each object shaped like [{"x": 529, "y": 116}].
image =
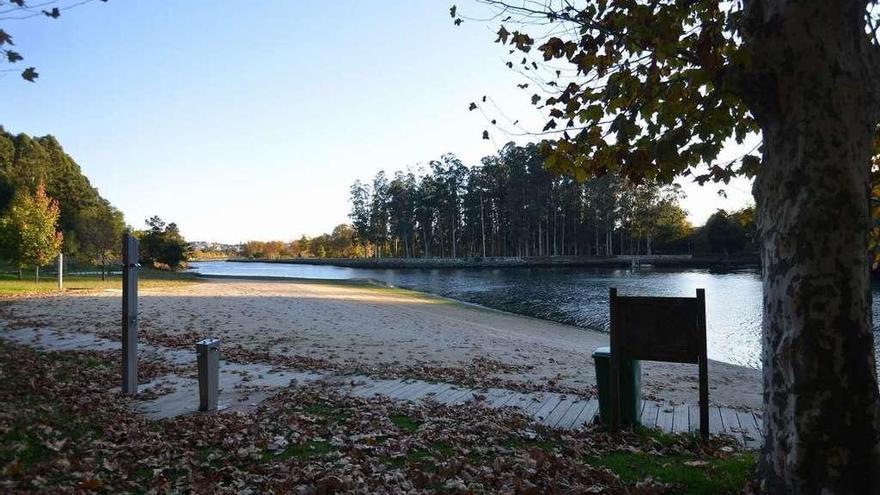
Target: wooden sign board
[
  {"x": 671, "y": 329},
  {"x": 658, "y": 328}
]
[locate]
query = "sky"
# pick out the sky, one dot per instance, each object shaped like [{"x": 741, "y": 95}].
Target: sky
[{"x": 250, "y": 120}]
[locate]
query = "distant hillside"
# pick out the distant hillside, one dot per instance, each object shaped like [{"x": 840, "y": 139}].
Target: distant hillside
[{"x": 26, "y": 160}]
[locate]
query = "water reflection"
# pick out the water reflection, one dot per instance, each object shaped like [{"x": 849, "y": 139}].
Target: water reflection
[{"x": 577, "y": 296}]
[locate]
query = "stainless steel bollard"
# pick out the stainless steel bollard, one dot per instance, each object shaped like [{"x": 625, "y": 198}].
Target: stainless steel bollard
[
  {"x": 208, "y": 357},
  {"x": 60, "y": 271},
  {"x": 129, "y": 314}
]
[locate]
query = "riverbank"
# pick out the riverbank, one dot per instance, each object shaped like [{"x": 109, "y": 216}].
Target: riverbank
[
  {"x": 373, "y": 330},
  {"x": 660, "y": 261}
]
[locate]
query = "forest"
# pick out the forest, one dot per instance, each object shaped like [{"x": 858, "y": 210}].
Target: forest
[
  {"x": 47, "y": 207},
  {"x": 511, "y": 205}
]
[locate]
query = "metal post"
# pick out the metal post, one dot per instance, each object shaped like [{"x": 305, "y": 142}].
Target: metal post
[
  {"x": 129, "y": 314},
  {"x": 60, "y": 271},
  {"x": 208, "y": 357}
]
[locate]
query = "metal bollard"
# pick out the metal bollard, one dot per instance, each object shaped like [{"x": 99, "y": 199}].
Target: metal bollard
[
  {"x": 208, "y": 356},
  {"x": 129, "y": 314}
]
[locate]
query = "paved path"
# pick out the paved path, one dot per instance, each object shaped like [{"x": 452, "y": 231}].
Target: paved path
[{"x": 242, "y": 386}]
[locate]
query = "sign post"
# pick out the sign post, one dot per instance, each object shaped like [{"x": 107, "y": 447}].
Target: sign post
[
  {"x": 60, "y": 271},
  {"x": 129, "y": 314}
]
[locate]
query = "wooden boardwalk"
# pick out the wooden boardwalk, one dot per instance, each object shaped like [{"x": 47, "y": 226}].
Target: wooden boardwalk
[
  {"x": 560, "y": 410},
  {"x": 244, "y": 385}
]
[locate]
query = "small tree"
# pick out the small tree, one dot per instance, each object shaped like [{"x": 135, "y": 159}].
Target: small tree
[
  {"x": 100, "y": 229},
  {"x": 163, "y": 245},
  {"x": 30, "y": 228}
]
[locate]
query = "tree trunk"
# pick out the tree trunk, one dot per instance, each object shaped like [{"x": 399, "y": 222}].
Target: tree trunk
[
  {"x": 482, "y": 226},
  {"x": 37, "y": 274},
  {"x": 810, "y": 88}
]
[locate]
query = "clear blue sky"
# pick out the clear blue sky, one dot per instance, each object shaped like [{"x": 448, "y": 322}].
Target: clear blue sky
[{"x": 250, "y": 120}]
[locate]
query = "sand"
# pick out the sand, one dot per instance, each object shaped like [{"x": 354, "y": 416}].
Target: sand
[{"x": 374, "y": 327}]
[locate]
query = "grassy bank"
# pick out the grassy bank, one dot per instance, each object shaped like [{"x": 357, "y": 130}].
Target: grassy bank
[
  {"x": 62, "y": 430},
  {"x": 147, "y": 278}
]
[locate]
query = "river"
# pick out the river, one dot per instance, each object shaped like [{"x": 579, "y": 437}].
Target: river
[{"x": 572, "y": 295}]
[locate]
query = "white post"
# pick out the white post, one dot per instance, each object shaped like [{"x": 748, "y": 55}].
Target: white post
[{"x": 60, "y": 271}]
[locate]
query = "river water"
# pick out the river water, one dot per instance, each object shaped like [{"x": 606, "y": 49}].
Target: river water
[{"x": 572, "y": 295}]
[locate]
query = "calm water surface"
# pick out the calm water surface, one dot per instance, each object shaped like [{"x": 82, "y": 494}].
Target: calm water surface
[{"x": 577, "y": 296}]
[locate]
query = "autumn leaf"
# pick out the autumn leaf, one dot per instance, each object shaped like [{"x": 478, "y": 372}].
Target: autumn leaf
[
  {"x": 30, "y": 74},
  {"x": 502, "y": 36}
]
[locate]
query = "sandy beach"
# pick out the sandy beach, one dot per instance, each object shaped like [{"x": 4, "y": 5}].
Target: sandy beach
[{"x": 356, "y": 326}]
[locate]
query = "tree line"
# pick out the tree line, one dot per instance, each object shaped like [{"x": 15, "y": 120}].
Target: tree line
[
  {"x": 510, "y": 205},
  {"x": 338, "y": 244},
  {"x": 47, "y": 207}
]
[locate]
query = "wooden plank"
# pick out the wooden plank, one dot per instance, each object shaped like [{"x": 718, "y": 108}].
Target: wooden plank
[
  {"x": 572, "y": 414},
  {"x": 680, "y": 418},
  {"x": 694, "y": 418},
  {"x": 391, "y": 387},
  {"x": 370, "y": 388},
  {"x": 752, "y": 439},
  {"x": 716, "y": 424},
  {"x": 587, "y": 414},
  {"x": 649, "y": 413},
  {"x": 560, "y": 411},
  {"x": 491, "y": 396},
  {"x": 536, "y": 402},
  {"x": 450, "y": 393},
  {"x": 410, "y": 390},
  {"x": 503, "y": 400},
  {"x": 664, "y": 418},
  {"x": 429, "y": 392},
  {"x": 444, "y": 387},
  {"x": 759, "y": 421},
  {"x": 731, "y": 422},
  {"x": 521, "y": 401},
  {"x": 468, "y": 395},
  {"x": 547, "y": 407}
]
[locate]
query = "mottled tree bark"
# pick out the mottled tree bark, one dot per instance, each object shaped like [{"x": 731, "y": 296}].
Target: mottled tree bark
[{"x": 811, "y": 86}]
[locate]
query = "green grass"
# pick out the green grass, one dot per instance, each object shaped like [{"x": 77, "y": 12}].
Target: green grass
[
  {"x": 716, "y": 476},
  {"x": 147, "y": 278},
  {"x": 327, "y": 412},
  {"x": 304, "y": 451},
  {"x": 405, "y": 423}
]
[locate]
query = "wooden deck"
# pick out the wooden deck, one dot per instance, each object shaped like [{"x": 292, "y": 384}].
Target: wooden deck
[{"x": 560, "y": 410}]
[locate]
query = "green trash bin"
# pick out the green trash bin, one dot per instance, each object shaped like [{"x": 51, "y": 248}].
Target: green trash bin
[{"x": 630, "y": 387}]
